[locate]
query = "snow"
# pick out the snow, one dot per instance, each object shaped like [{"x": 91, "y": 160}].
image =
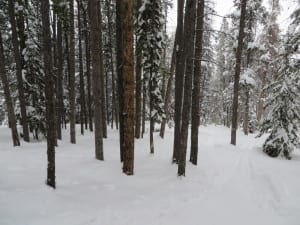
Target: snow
[{"x": 230, "y": 186}]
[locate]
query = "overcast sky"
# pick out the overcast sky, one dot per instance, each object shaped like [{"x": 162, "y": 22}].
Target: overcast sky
[{"x": 224, "y": 7}]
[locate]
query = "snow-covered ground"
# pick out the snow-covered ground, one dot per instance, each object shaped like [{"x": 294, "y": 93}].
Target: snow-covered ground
[{"x": 230, "y": 186}]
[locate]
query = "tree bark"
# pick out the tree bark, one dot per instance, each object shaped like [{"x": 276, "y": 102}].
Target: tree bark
[
  {"x": 97, "y": 71},
  {"x": 88, "y": 71},
  {"x": 72, "y": 74},
  {"x": 246, "y": 111},
  {"x": 9, "y": 103},
  {"x": 169, "y": 90},
  {"x": 83, "y": 119},
  {"x": 126, "y": 73},
  {"x": 59, "y": 80},
  {"x": 138, "y": 82},
  {"x": 119, "y": 35},
  {"x": 49, "y": 93},
  {"x": 237, "y": 73},
  {"x": 189, "y": 30},
  {"x": 197, "y": 82},
  {"x": 179, "y": 75},
  {"x": 18, "y": 60}
]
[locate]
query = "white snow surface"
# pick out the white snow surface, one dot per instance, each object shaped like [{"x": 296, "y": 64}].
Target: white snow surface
[{"x": 230, "y": 186}]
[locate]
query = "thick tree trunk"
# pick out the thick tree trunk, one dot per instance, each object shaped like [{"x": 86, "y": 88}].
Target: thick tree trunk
[
  {"x": 72, "y": 75},
  {"x": 18, "y": 60},
  {"x": 237, "y": 73},
  {"x": 9, "y": 103},
  {"x": 189, "y": 31},
  {"x": 179, "y": 75},
  {"x": 197, "y": 83},
  {"x": 138, "y": 82},
  {"x": 49, "y": 93},
  {"x": 126, "y": 73},
  {"x": 97, "y": 71}
]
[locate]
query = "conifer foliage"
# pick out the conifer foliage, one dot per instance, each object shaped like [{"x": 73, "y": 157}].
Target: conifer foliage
[
  {"x": 283, "y": 102},
  {"x": 150, "y": 35}
]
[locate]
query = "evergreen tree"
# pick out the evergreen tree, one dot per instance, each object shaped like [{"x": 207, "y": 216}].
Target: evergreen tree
[
  {"x": 150, "y": 25},
  {"x": 283, "y": 101}
]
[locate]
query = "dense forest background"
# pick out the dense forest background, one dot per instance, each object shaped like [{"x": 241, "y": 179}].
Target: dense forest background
[{"x": 111, "y": 63}]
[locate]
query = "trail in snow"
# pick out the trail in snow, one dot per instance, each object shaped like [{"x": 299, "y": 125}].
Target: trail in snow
[{"x": 231, "y": 185}]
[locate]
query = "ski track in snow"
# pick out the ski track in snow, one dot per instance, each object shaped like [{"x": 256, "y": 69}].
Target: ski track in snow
[{"x": 231, "y": 185}]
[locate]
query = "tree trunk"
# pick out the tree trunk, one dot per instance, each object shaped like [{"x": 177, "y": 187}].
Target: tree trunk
[
  {"x": 197, "y": 82},
  {"x": 237, "y": 73},
  {"x": 9, "y": 103},
  {"x": 144, "y": 107},
  {"x": 125, "y": 62},
  {"x": 59, "y": 80},
  {"x": 189, "y": 30},
  {"x": 169, "y": 90},
  {"x": 179, "y": 75},
  {"x": 97, "y": 70},
  {"x": 18, "y": 60},
  {"x": 88, "y": 71},
  {"x": 119, "y": 35},
  {"x": 112, "y": 68},
  {"x": 72, "y": 75},
  {"x": 83, "y": 119},
  {"x": 49, "y": 93},
  {"x": 246, "y": 112},
  {"x": 104, "y": 126},
  {"x": 152, "y": 122},
  {"x": 138, "y": 82}
]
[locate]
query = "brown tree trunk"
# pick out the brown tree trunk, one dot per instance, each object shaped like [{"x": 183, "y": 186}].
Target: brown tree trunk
[
  {"x": 197, "y": 83},
  {"x": 125, "y": 62},
  {"x": 189, "y": 31},
  {"x": 49, "y": 93},
  {"x": 239, "y": 51},
  {"x": 18, "y": 60},
  {"x": 97, "y": 71},
  {"x": 9, "y": 103},
  {"x": 72, "y": 74},
  {"x": 179, "y": 75},
  {"x": 138, "y": 82}
]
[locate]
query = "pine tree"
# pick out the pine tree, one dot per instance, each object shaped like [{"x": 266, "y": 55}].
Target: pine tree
[
  {"x": 283, "y": 102},
  {"x": 150, "y": 25}
]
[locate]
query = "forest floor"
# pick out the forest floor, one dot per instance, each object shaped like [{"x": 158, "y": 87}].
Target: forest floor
[{"x": 230, "y": 186}]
